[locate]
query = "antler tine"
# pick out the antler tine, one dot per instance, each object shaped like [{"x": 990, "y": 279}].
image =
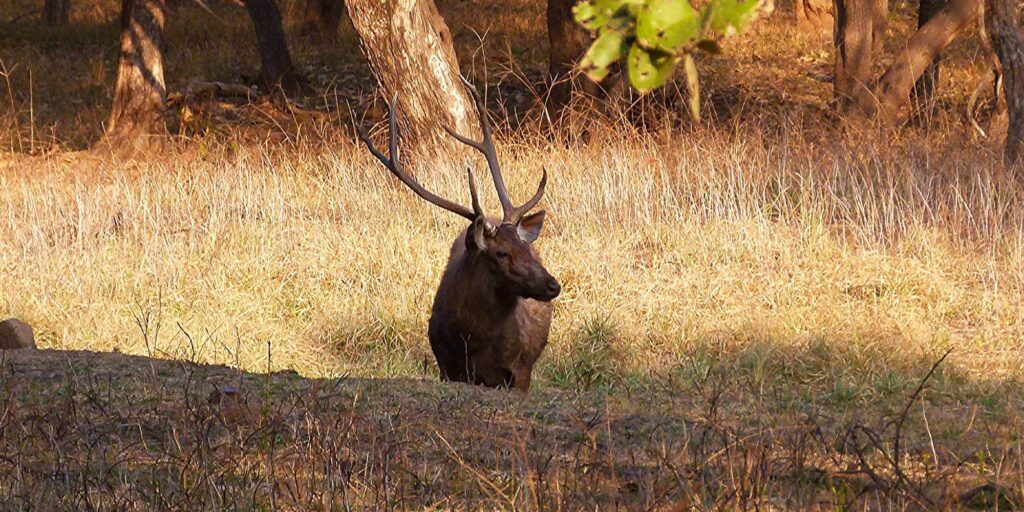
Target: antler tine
[
  {"x": 474, "y": 196},
  {"x": 527, "y": 206},
  {"x": 466, "y": 140},
  {"x": 393, "y": 164},
  {"x": 393, "y": 131},
  {"x": 366, "y": 140},
  {"x": 486, "y": 146},
  {"x": 481, "y": 107}
]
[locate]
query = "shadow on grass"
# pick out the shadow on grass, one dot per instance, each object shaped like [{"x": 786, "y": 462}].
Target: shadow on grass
[
  {"x": 111, "y": 431},
  {"x": 791, "y": 373}
]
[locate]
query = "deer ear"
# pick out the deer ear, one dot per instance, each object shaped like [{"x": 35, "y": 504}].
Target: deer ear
[
  {"x": 479, "y": 233},
  {"x": 529, "y": 227}
]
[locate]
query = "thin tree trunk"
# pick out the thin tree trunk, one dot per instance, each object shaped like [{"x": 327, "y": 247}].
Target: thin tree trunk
[
  {"x": 55, "y": 12},
  {"x": 276, "y": 67},
  {"x": 929, "y": 81},
  {"x": 568, "y": 41},
  {"x": 1003, "y": 25},
  {"x": 853, "y": 36},
  {"x": 321, "y": 17},
  {"x": 879, "y": 23},
  {"x": 140, "y": 94},
  {"x": 893, "y": 90},
  {"x": 409, "y": 48},
  {"x": 814, "y": 15}
]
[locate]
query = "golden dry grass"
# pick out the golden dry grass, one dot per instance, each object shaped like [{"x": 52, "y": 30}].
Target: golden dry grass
[
  {"x": 838, "y": 266},
  {"x": 767, "y": 241},
  {"x": 749, "y": 304}
]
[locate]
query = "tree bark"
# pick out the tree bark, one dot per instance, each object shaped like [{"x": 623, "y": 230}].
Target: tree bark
[
  {"x": 55, "y": 12},
  {"x": 1003, "y": 25},
  {"x": 140, "y": 94},
  {"x": 409, "y": 48},
  {"x": 276, "y": 67},
  {"x": 879, "y": 23},
  {"x": 321, "y": 17},
  {"x": 853, "y": 36},
  {"x": 929, "y": 81},
  {"x": 893, "y": 90},
  {"x": 814, "y": 15},
  {"x": 568, "y": 41}
]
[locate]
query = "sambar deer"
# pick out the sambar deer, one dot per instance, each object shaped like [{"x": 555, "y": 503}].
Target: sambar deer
[{"x": 492, "y": 311}]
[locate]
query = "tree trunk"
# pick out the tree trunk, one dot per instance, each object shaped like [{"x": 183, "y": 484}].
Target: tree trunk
[
  {"x": 568, "y": 41},
  {"x": 140, "y": 94},
  {"x": 929, "y": 81},
  {"x": 409, "y": 48},
  {"x": 814, "y": 15},
  {"x": 893, "y": 90},
  {"x": 277, "y": 71},
  {"x": 321, "y": 17},
  {"x": 55, "y": 12},
  {"x": 853, "y": 36},
  {"x": 1003, "y": 25},
  {"x": 879, "y": 23}
]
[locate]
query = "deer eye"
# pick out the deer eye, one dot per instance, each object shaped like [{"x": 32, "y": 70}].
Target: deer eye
[{"x": 501, "y": 254}]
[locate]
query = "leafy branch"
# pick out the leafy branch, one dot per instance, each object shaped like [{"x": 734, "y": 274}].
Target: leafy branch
[{"x": 656, "y": 35}]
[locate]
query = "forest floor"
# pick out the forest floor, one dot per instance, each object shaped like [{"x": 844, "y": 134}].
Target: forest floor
[
  {"x": 85, "y": 430},
  {"x": 752, "y": 307}
]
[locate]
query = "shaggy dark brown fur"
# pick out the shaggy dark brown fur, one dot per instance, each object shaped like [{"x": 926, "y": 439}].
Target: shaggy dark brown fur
[{"x": 492, "y": 313}]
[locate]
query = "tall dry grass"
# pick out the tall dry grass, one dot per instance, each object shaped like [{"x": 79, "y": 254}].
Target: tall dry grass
[
  {"x": 837, "y": 267},
  {"x": 765, "y": 292},
  {"x": 783, "y": 248}
]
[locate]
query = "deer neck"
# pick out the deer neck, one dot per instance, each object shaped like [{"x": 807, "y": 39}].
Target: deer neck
[{"x": 484, "y": 291}]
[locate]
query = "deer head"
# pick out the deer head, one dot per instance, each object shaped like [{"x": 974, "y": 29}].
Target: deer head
[{"x": 502, "y": 247}]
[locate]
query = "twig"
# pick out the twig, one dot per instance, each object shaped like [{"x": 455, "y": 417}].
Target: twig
[
  {"x": 18, "y": 17},
  {"x": 928, "y": 430},
  {"x": 906, "y": 410},
  {"x": 476, "y": 473}
]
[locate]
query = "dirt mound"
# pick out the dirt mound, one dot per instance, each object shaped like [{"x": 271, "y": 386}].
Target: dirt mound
[{"x": 112, "y": 431}]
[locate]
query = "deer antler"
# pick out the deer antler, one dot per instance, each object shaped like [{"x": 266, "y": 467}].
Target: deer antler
[
  {"x": 510, "y": 214},
  {"x": 394, "y": 165}
]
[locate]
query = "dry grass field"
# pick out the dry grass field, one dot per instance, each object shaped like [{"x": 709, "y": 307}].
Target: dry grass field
[{"x": 750, "y": 305}]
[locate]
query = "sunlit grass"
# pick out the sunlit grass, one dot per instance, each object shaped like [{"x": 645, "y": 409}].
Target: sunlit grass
[
  {"x": 742, "y": 298},
  {"x": 768, "y": 242},
  {"x": 828, "y": 269}
]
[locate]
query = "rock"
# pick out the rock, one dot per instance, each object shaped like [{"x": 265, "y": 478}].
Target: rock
[{"x": 15, "y": 334}]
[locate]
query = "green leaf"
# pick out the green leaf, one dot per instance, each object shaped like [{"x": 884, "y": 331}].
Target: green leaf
[
  {"x": 589, "y": 15},
  {"x": 730, "y": 17},
  {"x": 595, "y": 14},
  {"x": 605, "y": 50},
  {"x": 648, "y": 69},
  {"x": 657, "y": 34},
  {"x": 667, "y": 25},
  {"x": 585, "y": 13}
]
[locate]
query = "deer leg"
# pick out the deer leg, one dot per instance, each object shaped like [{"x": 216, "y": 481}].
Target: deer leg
[
  {"x": 508, "y": 379},
  {"x": 522, "y": 379},
  {"x": 453, "y": 357}
]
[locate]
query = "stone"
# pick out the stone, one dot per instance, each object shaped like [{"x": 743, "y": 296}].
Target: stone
[{"x": 15, "y": 334}]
